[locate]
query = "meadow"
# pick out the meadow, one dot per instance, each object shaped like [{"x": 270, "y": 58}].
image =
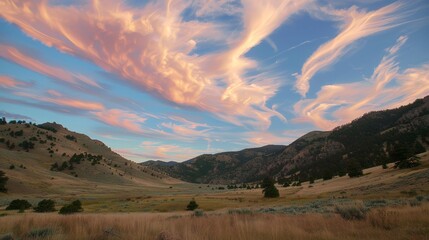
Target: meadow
[
  {"x": 406, "y": 222},
  {"x": 382, "y": 204}
]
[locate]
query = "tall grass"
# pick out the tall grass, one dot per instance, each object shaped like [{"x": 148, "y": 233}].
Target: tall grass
[{"x": 389, "y": 223}]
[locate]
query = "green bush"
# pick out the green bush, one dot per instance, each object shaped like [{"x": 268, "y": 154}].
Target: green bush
[
  {"x": 74, "y": 207},
  {"x": 18, "y": 204},
  {"x": 192, "y": 205},
  {"x": 46, "y": 205}
]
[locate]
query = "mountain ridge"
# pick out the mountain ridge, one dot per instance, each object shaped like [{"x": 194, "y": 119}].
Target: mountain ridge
[{"x": 368, "y": 140}]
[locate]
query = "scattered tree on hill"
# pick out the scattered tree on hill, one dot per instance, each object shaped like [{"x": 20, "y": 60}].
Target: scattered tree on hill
[
  {"x": 3, "y": 181},
  {"x": 74, "y": 207},
  {"x": 27, "y": 145},
  {"x": 354, "y": 169},
  {"x": 3, "y": 121},
  {"x": 327, "y": 174},
  {"x": 269, "y": 190},
  {"x": 18, "y": 204},
  {"x": 192, "y": 205},
  {"x": 46, "y": 205},
  {"x": 399, "y": 153},
  {"x": 410, "y": 162}
]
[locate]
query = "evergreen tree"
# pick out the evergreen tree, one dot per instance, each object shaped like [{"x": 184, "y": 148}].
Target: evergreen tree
[
  {"x": 269, "y": 190},
  {"x": 192, "y": 205},
  {"x": 354, "y": 169}
]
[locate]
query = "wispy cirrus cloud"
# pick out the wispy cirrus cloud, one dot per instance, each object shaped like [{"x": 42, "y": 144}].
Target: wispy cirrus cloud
[
  {"x": 15, "y": 116},
  {"x": 64, "y": 101},
  {"x": 9, "y": 82},
  {"x": 387, "y": 88},
  {"x": 15, "y": 55},
  {"x": 357, "y": 24},
  {"x": 158, "y": 151},
  {"x": 152, "y": 47}
]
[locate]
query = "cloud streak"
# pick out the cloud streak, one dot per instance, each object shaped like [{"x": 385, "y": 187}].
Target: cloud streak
[
  {"x": 387, "y": 88},
  {"x": 357, "y": 25},
  {"x": 8, "y": 82},
  {"x": 152, "y": 48},
  {"x": 15, "y": 55}
]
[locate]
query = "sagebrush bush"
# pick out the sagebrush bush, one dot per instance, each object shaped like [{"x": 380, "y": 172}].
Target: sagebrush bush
[
  {"x": 352, "y": 211},
  {"x": 198, "y": 213},
  {"x": 381, "y": 218}
]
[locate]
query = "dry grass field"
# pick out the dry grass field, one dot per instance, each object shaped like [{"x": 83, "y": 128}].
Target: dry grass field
[{"x": 386, "y": 223}]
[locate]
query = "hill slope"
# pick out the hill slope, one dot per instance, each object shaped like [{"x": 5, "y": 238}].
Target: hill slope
[
  {"x": 370, "y": 140},
  {"x": 51, "y": 158}
]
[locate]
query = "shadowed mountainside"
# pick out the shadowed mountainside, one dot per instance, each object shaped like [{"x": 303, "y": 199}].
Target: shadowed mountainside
[{"x": 373, "y": 139}]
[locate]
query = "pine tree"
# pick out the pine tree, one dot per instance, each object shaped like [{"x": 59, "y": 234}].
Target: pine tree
[{"x": 270, "y": 191}]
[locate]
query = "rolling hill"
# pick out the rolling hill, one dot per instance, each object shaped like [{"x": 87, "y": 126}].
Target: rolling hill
[
  {"x": 51, "y": 159},
  {"x": 373, "y": 139}
]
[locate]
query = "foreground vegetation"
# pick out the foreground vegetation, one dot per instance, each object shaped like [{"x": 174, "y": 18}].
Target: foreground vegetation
[{"x": 406, "y": 222}]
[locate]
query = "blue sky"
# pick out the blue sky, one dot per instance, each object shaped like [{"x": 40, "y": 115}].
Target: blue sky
[{"x": 170, "y": 80}]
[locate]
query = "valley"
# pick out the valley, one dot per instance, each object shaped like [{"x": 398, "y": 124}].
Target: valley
[{"x": 48, "y": 161}]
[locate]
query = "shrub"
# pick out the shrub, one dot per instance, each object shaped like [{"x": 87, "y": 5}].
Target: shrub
[
  {"x": 40, "y": 233},
  {"x": 46, "y": 205},
  {"x": 354, "y": 211},
  {"x": 3, "y": 181},
  {"x": 18, "y": 204},
  {"x": 192, "y": 205},
  {"x": 74, "y": 207},
  {"x": 383, "y": 219},
  {"x": 198, "y": 213}
]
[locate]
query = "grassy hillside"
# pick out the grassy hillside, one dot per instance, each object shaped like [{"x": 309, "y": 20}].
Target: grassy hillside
[{"x": 50, "y": 159}]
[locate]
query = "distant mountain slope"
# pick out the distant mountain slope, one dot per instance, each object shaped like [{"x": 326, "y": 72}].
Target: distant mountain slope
[
  {"x": 369, "y": 140},
  {"x": 50, "y": 157}
]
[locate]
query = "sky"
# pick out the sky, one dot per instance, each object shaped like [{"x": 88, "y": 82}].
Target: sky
[{"x": 170, "y": 80}]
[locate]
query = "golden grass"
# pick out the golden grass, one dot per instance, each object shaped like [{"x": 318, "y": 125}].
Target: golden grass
[{"x": 388, "y": 223}]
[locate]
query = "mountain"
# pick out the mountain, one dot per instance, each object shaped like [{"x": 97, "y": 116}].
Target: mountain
[
  {"x": 370, "y": 140},
  {"x": 51, "y": 158}
]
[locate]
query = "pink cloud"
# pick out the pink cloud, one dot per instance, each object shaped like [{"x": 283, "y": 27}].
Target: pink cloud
[
  {"x": 357, "y": 24},
  {"x": 151, "y": 48},
  {"x": 266, "y": 138},
  {"x": 8, "y": 82},
  {"x": 15, "y": 55},
  {"x": 64, "y": 101},
  {"x": 122, "y": 119},
  {"x": 387, "y": 88}
]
